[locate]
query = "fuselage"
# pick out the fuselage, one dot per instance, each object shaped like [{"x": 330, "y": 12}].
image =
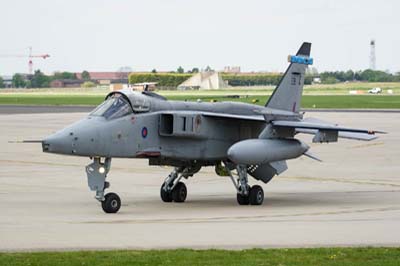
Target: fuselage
[{"x": 165, "y": 131}]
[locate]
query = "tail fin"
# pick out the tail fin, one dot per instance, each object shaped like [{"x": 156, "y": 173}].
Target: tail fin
[{"x": 287, "y": 95}]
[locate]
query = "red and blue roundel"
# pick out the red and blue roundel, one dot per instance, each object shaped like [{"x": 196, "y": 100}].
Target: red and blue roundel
[{"x": 144, "y": 132}]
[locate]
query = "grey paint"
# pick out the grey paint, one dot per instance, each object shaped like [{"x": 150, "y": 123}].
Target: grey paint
[
  {"x": 196, "y": 134},
  {"x": 261, "y": 151},
  {"x": 290, "y": 88}
]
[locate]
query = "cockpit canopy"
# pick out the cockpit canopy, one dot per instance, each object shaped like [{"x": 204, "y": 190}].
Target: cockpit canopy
[
  {"x": 113, "y": 107},
  {"x": 118, "y": 105}
]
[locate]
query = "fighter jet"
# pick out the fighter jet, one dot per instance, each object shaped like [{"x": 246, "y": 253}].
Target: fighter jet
[{"x": 238, "y": 139}]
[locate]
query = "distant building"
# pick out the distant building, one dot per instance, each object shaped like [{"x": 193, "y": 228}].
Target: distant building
[
  {"x": 204, "y": 80},
  {"x": 117, "y": 84},
  {"x": 7, "y": 81},
  {"x": 144, "y": 86},
  {"x": 104, "y": 75},
  {"x": 106, "y": 78},
  {"x": 66, "y": 83},
  {"x": 232, "y": 69},
  {"x": 102, "y": 79}
]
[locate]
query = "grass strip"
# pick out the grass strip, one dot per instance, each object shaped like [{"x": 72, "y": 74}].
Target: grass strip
[{"x": 301, "y": 256}]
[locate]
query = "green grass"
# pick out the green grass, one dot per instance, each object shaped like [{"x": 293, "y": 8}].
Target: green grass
[
  {"x": 316, "y": 256},
  {"x": 308, "y": 101},
  {"x": 352, "y": 101}
]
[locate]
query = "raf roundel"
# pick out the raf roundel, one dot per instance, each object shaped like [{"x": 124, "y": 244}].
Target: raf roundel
[{"x": 144, "y": 132}]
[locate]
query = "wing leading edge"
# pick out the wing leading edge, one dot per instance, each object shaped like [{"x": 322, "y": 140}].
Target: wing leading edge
[
  {"x": 255, "y": 117},
  {"x": 313, "y": 126}
]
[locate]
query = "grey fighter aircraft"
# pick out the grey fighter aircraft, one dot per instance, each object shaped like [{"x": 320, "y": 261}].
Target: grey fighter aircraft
[{"x": 238, "y": 139}]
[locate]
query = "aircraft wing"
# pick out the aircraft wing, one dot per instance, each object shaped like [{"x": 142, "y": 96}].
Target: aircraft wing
[
  {"x": 231, "y": 116},
  {"x": 341, "y": 134},
  {"x": 255, "y": 117},
  {"x": 313, "y": 126}
]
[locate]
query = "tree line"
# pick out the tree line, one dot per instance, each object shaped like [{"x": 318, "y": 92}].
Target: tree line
[
  {"x": 173, "y": 79},
  {"x": 164, "y": 80},
  {"x": 40, "y": 80},
  {"x": 366, "y": 75}
]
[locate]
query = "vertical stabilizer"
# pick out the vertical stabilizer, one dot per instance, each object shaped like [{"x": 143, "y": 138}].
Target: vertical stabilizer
[{"x": 287, "y": 95}]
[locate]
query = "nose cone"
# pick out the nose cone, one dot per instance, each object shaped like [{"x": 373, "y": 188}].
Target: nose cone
[
  {"x": 80, "y": 138},
  {"x": 59, "y": 142}
]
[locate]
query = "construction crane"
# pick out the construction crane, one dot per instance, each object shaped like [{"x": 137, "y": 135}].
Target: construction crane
[{"x": 30, "y": 56}]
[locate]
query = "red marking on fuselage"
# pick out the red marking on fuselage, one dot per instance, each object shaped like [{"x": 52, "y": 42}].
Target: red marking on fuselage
[{"x": 147, "y": 154}]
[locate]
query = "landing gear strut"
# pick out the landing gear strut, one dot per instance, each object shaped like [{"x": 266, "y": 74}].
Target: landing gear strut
[
  {"x": 96, "y": 173},
  {"x": 174, "y": 190},
  {"x": 245, "y": 193}
]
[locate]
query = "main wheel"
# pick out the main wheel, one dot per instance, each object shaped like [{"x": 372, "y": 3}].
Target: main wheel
[
  {"x": 166, "y": 196},
  {"x": 256, "y": 195},
  {"x": 111, "y": 203},
  {"x": 179, "y": 192},
  {"x": 242, "y": 199}
]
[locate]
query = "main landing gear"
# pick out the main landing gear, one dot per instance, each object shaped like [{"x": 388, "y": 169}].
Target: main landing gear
[
  {"x": 245, "y": 194},
  {"x": 174, "y": 190},
  {"x": 96, "y": 173}
]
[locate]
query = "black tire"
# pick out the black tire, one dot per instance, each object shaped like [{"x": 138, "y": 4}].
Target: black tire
[
  {"x": 165, "y": 196},
  {"x": 256, "y": 195},
  {"x": 179, "y": 192},
  {"x": 111, "y": 203},
  {"x": 242, "y": 199}
]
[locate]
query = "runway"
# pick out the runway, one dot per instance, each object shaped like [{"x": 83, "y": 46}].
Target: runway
[{"x": 351, "y": 199}]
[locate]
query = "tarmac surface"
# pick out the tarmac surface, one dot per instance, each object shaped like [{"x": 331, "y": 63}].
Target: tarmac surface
[{"x": 351, "y": 199}]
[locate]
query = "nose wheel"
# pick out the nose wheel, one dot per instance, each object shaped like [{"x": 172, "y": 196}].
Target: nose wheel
[{"x": 111, "y": 203}]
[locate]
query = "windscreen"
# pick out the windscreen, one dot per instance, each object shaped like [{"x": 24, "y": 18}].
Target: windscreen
[{"x": 114, "y": 107}]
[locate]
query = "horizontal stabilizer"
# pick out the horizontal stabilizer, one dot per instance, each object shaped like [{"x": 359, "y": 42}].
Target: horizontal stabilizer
[{"x": 341, "y": 134}]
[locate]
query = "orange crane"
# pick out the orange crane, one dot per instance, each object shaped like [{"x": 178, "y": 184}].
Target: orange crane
[{"x": 30, "y": 56}]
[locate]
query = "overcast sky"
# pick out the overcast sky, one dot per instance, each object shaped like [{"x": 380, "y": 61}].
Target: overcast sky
[{"x": 103, "y": 35}]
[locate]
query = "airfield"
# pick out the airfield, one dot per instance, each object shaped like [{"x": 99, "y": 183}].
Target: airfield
[{"x": 351, "y": 199}]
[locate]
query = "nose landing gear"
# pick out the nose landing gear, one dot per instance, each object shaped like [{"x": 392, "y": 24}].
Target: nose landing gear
[{"x": 96, "y": 175}]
